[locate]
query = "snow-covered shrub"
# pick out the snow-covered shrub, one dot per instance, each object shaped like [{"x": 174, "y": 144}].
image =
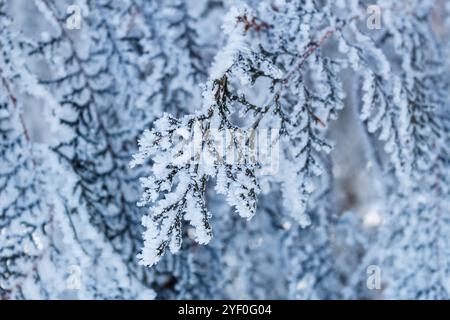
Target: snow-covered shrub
[{"x": 297, "y": 140}]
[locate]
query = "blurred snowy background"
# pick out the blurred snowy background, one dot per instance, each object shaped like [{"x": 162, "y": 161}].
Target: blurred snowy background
[{"x": 77, "y": 100}]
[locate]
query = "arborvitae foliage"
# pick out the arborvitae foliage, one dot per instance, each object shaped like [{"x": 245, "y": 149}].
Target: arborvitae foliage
[
  {"x": 97, "y": 139},
  {"x": 412, "y": 241},
  {"x": 300, "y": 82},
  {"x": 48, "y": 249},
  {"x": 157, "y": 126},
  {"x": 21, "y": 221}
]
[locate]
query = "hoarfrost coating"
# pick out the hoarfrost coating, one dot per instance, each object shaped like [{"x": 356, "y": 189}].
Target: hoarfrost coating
[{"x": 221, "y": 149}]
